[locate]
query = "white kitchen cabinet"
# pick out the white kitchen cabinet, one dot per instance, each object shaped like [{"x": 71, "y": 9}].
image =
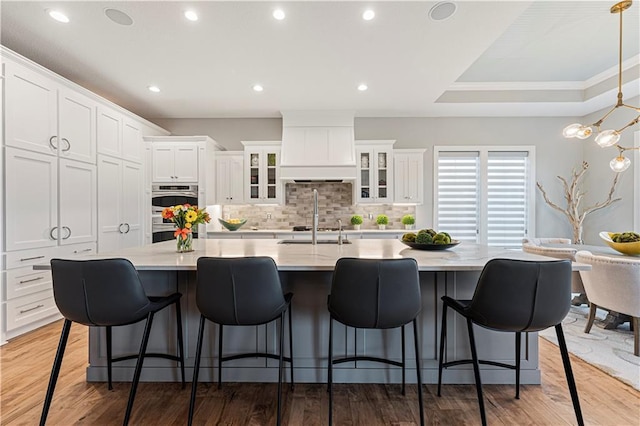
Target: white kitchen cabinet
[
  {"x": 229, "y": 177},
  {"x": 132, "y": 147},
  {"x": 120, "y": 210},
  {"x": 174, "y": 162},
  {"x": 262, "y": 175},
  {"x": 77, "y": 203},
  {"x": 119, "y": 136},
  {"x": 31, "y": 199},
  {"x": 374, "y": 180},
  {"x": 408, "y": 175},
  {"x": 43, "y": 117},
  {"x": 51, "y": 203}
]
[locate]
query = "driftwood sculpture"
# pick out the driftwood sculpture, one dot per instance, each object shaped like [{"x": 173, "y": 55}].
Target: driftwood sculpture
[{"x": 573, "y": 196}]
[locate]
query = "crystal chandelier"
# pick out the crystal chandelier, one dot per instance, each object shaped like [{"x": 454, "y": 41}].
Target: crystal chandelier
[{"x": 606, "y": 138}]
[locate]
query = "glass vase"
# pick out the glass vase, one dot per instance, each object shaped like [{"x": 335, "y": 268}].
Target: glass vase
[{"x": 184, "y": 245}]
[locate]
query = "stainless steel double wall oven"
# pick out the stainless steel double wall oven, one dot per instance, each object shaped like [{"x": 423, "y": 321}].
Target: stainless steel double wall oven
[{"x": 167, "y": 195}]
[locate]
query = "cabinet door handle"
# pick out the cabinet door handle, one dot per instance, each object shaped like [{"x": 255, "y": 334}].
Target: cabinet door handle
[
  {"x": 32, "y": 258},
  {"x": 120, "y": 228},
  {"x": 68, "y": 145},
  {"x": 82, "y": 251},
  {"x": 51, "y": 142},
  {"x": 51, "y": 233},
  {"x": 69, "y": 232},
  {"x": 31, "y": 309},
  {"x": 128, "y": 228},
  {"x": 31, "y": 280}
]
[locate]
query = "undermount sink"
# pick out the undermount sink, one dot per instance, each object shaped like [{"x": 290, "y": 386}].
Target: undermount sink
[{"x": 310, "y": 242}]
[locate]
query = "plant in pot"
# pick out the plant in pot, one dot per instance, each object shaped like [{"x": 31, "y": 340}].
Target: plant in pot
[
  {"x": 382, "y": 220},
  {"x": 408, "y": 221},
  {"x": 356, "y": 221}
]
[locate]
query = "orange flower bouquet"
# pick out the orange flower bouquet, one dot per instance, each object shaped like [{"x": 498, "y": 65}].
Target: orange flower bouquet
[{"x": 185, "y": 217}]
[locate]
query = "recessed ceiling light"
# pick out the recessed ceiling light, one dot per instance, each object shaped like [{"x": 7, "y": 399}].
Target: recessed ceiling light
[
  {"x": 154, "y": 89},
  {"x": 191, "y": 15},
  {"x": 442, "y": 11},
  {"x": 368, "y": 15},
  {"x": 363, "y": 87},
  {"x": 258, "y": 88},
  {"x": 118, "y": 16},
  {"x": 58, "y": 16},
  {"x": 279, "y": 14}
]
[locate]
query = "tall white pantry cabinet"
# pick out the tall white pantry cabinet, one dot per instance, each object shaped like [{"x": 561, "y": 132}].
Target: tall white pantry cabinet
[{"x": 53, "y": 158}]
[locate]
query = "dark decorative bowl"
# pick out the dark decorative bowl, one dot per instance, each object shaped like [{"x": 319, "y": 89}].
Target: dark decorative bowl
[
  {"x": 232, "y": 226},
  {"x": 431, "y": 246}
]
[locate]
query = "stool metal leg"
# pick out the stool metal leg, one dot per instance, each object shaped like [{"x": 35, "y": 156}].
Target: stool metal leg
[
  {"x": 138, "y": 370},
  {"x": 220, "y": 356},
  {"x": 291, "y": 346},
  {"x": 418, "y": 370},
  {"x": 109, "y": 355},
  {"x": 569, "y": 373},
  {"x": 55, "y": 370},
  {"x": 280, "y": 363},
  {"x": 443, "y": 339},
  {"x": 180, "y": 341},
  {"x": 518, "y": 346},
  {"x": 403, "y": 363},
  {"x": 476, "y": 371},
  {"x": 196, "y": 369},
  {"x": 330, "y": 371}
]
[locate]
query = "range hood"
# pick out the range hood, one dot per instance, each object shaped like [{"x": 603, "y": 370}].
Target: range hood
[{"x": 317, "y": 146}]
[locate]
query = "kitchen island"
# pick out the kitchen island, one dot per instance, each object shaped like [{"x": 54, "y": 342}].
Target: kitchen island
[{"x": 306, "y": 270}]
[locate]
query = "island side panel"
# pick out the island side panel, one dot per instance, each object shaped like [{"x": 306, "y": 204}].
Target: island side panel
[{"x": 311, "y": 333}]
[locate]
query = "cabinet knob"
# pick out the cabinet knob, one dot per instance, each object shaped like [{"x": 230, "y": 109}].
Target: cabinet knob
[
  {"x": 52, "y": 231},
  {"x": 65, "y": 140},
  {"x": 51, "y": 142},
  {"x": 68, "y": 232}
]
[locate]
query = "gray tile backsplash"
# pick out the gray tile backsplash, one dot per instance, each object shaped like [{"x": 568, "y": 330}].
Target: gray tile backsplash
[{"x": 334, "y": 202}]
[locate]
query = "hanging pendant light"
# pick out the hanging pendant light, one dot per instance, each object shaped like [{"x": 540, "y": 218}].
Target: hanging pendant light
[{"x": 606, "y": 138}]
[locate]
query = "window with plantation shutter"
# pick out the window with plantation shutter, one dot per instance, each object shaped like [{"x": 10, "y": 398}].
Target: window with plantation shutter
[
  {"x": 485, "y": 194},
  {"x": 457, "y": 194}
]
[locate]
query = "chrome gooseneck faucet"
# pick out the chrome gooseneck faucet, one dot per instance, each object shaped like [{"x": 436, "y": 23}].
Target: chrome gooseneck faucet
[
  {"x": 339, "y": 232},
  {"x": 314, "y": 228}
]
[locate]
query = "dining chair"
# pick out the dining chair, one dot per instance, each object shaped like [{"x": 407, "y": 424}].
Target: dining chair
[
  {"x": 613, "y": 283},
  {"x": 514, "y": 296},
  {"x": 375, "y": 294},
  {"x": 107, "y": 293},
  {"x": 241, "y": 291}
]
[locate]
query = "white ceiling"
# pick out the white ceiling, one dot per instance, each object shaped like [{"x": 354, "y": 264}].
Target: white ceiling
[{"x": 505, "y": 58}]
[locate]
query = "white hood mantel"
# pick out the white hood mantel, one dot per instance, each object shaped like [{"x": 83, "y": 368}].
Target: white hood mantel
[{"x": 318, "y": 145}]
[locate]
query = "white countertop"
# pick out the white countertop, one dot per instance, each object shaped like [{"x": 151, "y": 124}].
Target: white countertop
[
  {"x": 249, "y": 231},
  {"x": 308, "y": 257}
]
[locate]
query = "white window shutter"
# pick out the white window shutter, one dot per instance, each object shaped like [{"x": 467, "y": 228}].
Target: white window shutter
[{"x": 457, "y": 194}]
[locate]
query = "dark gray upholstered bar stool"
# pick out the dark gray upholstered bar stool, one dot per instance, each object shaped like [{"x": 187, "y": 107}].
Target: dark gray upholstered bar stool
[
  {"x": 375, "y": 294},
  {"x": 241, "y": 291},
  {"x": 515, "y": 296},
  {"x": 106, "y": 293}
]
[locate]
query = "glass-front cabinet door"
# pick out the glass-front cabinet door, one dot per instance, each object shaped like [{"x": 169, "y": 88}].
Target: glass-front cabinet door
[
  {"x": 263, "y": 175},
  {"x": 375, "y": 173}
]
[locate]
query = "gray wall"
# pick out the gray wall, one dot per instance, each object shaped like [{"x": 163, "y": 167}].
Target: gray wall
[{"x": 555, "y": 156}]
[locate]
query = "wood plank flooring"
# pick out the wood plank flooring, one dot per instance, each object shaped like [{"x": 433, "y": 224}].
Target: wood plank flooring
[{"x": 26, "y": 365}]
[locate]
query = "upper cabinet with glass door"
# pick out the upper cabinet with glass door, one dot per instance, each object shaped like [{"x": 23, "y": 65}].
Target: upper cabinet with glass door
[
  {"x": 374, "y": 182},
  {"x": 262, "y": 173}
]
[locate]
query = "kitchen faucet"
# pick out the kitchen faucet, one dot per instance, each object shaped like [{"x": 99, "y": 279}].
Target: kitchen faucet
[
  {"x": 314, "y": 228},
  {"x": 339, "y": 232}
]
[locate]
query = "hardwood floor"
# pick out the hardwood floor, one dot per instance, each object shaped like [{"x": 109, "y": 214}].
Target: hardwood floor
[{"x": 26, "y": 365}]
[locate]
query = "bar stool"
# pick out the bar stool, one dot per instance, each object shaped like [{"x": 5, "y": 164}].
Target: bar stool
[
  {"x": 241, "y": 291},
  {"x": 514, "y": 296},
  {"x": 106, "y": 293},
  {"x": 375, "y": 294}
]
